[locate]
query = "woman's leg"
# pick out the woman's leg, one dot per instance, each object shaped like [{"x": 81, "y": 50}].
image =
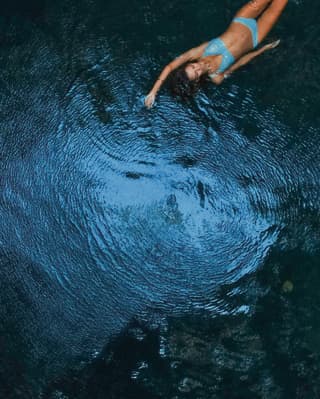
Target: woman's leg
[
  {"x": 253, "y": 9},
  {"x": 270, "y": 17},
  {"x": 269, "y": 12}
]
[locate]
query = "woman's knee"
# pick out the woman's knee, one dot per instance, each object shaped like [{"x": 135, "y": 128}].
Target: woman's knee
[
  {"x": 278, "y": 2},
  {"x": 277, "y": 5},
  {"x": 259, "y": 4},
  {"x": 253, "y": 8}
]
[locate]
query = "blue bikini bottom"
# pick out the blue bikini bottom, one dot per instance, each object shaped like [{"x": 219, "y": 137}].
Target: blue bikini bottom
[{"x": 251, "y": 24}]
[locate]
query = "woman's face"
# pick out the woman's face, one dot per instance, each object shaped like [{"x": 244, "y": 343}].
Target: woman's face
[{"x": 193, "y": 71}]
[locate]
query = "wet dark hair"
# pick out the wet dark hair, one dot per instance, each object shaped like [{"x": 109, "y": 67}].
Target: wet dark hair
[{"x": 181, "y": 86}]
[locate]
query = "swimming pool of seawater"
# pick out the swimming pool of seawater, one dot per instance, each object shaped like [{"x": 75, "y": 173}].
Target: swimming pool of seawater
[{"x": 163, "y": 253}]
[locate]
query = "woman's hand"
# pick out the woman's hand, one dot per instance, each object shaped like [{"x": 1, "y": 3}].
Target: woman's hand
[
  {"x": 149, "y": 100},
  {"x": 272, "y": 45}
]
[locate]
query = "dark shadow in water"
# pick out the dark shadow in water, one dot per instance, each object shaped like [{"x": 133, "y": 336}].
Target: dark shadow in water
[
  {"x": 268, "y": 353},
  {"x": 32, "y": 9},
  {"x": 110, "y": 374}
]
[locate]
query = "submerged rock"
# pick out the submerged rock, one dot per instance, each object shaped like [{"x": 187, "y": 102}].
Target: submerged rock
[{"x": 287, "y": 287}]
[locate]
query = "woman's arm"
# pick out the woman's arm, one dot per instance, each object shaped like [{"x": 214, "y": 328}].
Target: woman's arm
[
  {"x": 218, "y": 79},
  {"x": 190, "y": 55}
]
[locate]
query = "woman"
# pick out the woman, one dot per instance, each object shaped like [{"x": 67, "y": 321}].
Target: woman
[{"x": 220, "y": 57}]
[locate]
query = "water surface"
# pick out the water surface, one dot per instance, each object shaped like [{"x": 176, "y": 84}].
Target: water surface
[{"x": 169, "y": 253}]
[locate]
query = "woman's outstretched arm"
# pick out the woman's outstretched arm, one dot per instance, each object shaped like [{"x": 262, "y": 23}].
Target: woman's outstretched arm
[
  {"x": 218, "y": 79},
  {"x": 190, "y": 55}
]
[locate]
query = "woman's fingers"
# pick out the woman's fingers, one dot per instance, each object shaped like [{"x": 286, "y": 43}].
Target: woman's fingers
[
  {"x": 272, "y": 45},
  {"x": 149, "y": 100},
  {"x": 275, "y": 43}
]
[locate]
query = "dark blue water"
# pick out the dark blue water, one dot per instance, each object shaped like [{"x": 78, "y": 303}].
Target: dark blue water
[{"x": 170, "y": 253}]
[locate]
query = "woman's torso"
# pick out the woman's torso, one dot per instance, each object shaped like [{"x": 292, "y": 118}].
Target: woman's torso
[{"x": 238, "y": 41}]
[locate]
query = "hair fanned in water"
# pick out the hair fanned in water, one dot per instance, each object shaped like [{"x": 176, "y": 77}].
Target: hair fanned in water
[{"x": 181, "y": 86}]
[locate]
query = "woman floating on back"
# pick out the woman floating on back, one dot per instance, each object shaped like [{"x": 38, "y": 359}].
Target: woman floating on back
[{"x": 221, "y": 56}]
